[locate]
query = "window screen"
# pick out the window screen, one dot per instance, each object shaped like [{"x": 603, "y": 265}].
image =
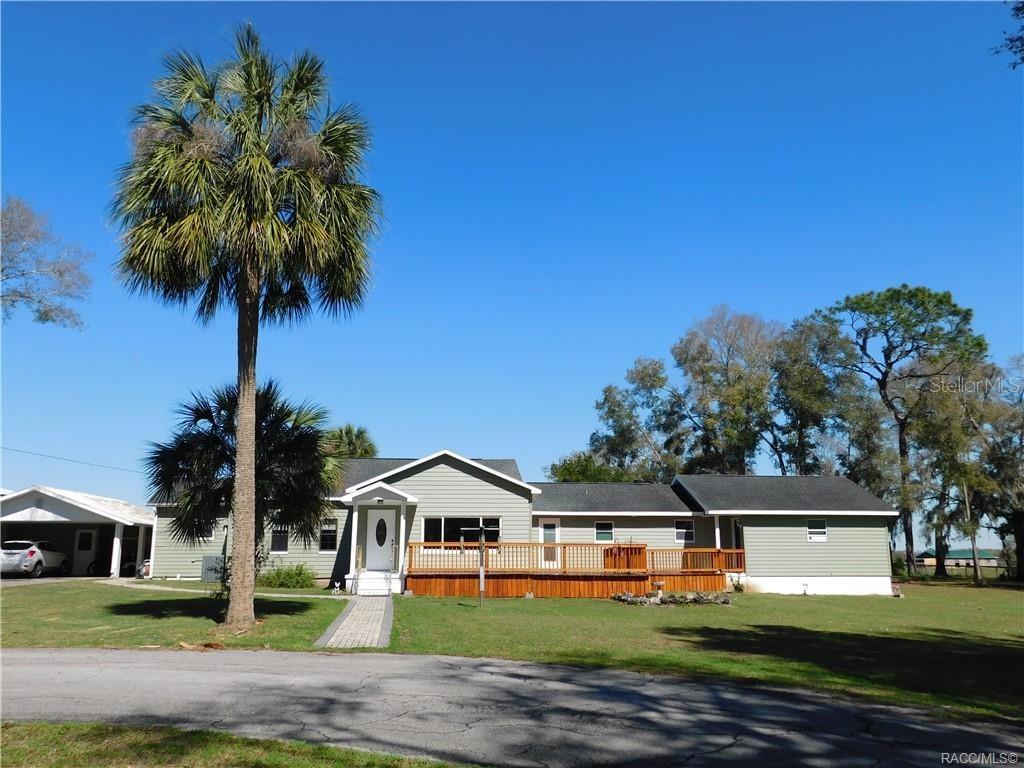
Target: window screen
[
  {"x": 329, "y": 536},
  {"x": 684, "y": 532},
  {"x": 604, "y": 532},
  {"x": 279, "y": 540}
]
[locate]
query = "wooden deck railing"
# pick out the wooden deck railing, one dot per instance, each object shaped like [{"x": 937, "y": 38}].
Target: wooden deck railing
[
  {"x": 695, "y": 560},
  {"x": 526, "y": 557},
  {"x": 533, "y": 557}
]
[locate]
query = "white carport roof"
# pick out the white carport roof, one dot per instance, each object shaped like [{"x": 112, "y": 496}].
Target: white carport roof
[{"x": 115, "y": 510}]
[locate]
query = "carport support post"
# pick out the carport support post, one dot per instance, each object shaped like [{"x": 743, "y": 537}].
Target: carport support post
[
  {"x": 140, "y": 550},
  {"x": 115, "y": 551},
  {"x": 718, "y": 534}
]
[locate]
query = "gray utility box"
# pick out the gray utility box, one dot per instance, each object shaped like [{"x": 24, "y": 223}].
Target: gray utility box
[{"x": 212, "y": 567}]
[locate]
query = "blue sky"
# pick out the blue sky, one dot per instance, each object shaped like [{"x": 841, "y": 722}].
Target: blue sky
[{"x": 567, "y": 187}]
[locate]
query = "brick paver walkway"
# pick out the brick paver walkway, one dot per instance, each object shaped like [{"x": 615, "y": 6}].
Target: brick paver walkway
[{"x": 362, "y": 625}]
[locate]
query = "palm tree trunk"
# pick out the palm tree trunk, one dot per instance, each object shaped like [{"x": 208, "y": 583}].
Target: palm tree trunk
[{"x": 241, "y": 610}]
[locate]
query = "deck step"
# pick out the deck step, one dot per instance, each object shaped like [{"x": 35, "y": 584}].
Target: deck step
[{"x": 373, "y": 583}]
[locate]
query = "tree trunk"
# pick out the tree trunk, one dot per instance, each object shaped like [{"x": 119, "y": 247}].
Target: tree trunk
[
  {"x": 974, "y": 536},
  {"x": 906, "y": 512},
  {"x": 941, "y": 548},
  {"x": 1018, "y": 543},
  {"x": 241, "y": 610}
]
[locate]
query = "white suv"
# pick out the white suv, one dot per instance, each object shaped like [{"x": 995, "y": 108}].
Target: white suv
[{"x": 31, "y": 558}]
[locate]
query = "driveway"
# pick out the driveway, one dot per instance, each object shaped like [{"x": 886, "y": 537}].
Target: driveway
[
  {"x": 479, "y": 710},
  {"x": 22, "y": 581}
]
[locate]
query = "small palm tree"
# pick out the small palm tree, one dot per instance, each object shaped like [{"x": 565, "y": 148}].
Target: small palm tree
[
  {"x": 195, "y": 469},
  {"x": 244, "y": 193},
  {"x": 350, "y": 440}
]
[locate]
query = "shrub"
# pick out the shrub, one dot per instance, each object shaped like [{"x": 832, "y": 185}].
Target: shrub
[
  {"x": 899, "y": 566},
  {"x": 287, "y": 577}
]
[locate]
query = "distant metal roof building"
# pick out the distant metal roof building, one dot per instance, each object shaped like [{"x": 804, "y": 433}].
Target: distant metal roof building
[
  {"x": 786, "y": 494},
  {"x": 984, "y": 553},
  {"x": 607, "y": 497}
]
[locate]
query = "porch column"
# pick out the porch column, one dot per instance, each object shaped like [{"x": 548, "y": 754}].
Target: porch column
[
  {"x": 140, "y": 550},
  {"x": 401, "y": 539},
  {"x": 718, "y": 534},
  {"x": 354, "y": 518},
  {"x": 115, "y": 552}
]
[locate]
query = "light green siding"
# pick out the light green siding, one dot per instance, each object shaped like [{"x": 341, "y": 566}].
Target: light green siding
[
  {"x": 456, "y": 490},
  {"x": 321, "y": 563},
  {"x": 778, "y": 546},
  {"x": 173, "y": 558},
  {"x": 652, "y": 531}
]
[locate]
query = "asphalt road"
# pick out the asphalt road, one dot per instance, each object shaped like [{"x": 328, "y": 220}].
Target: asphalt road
[{"x": 479, "y": 710}]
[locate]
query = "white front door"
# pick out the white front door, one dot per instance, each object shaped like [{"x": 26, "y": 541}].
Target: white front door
[
  {"x": 549, "y": 534},
  {"x": 85, "y": 551},
  {"x": 381, "y": 534}
]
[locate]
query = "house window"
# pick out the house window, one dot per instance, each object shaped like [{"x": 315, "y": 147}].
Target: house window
[
  {"x": 329, "y": 536},
  {"x": 604, "y": 532},
  {"x": 684, "y": 532},
  {"x": 817, "y": 530},
  {"x": 452, "y": 530},
  {"x": 279, "y": 541}
]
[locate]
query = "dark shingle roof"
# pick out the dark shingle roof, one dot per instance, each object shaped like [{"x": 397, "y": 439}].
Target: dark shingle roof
[
  {"x": 359, "y": 470},
  {"x": 791, "y": 493},
  {"x": 606, "y": 497}
]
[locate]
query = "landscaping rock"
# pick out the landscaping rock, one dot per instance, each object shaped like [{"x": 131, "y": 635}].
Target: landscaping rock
[{"x": 690, "y": 598}]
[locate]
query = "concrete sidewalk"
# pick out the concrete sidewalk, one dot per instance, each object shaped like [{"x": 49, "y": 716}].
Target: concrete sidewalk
[{"x": 365, "y": 623}]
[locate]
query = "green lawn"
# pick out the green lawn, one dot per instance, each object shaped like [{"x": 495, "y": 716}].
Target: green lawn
[
  {"x": 100, "y": 615},
  {"x": 47, "y": 745},
  {"x": 202, "y": 586},
  {"x": 954, "y": 648}
]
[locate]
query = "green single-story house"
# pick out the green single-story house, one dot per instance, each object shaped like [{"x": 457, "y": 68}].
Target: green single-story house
[{"x": 402, "y": 522}]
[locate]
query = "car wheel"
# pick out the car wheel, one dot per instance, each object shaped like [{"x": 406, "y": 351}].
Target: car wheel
[
  {"x": 37, "y": 570},
  {"x": 64, "y": 570}
]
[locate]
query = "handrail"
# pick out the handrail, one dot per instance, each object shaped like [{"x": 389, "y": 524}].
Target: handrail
[
  {"x": 524, "y": 557},
  {"x": 556, "y": 558}
]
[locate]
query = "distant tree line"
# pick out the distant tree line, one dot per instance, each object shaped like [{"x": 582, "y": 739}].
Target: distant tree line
[{"x": 892, "y": 389}]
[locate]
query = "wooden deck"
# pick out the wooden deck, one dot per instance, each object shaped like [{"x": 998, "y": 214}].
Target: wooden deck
[{"x": 512, "y": 569}]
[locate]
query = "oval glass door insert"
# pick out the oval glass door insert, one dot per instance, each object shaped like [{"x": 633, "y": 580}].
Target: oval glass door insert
[{"x": 381, "y": 533}]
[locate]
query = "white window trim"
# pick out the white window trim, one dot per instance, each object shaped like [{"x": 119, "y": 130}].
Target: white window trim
[
  {"x": 692, "y": 530},
  {"x": 817, "y": 538},
  {"x": 442, "y": 518},
  {"x": 604, "y": 522},
  {"x": 279, "y": 551},
  {"x": 319, "y": 537}
]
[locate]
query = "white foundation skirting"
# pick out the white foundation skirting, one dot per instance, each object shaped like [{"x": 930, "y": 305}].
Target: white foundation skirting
[{"x": 820, "y": 585}]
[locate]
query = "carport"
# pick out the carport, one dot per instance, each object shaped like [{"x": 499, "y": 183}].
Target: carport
[{"x": 101, "y": 536}]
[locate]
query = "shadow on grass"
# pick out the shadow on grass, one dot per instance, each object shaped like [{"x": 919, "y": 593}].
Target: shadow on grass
[
  {"x": 972, "y": 669},
  {"x": 203, "y": 608}
]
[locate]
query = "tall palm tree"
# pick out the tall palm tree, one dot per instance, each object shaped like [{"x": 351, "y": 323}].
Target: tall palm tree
[
  {"x": 195, "y": 469},
  {"x": 244, "y": 191},
  {"x": 350, "y": 440}
]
